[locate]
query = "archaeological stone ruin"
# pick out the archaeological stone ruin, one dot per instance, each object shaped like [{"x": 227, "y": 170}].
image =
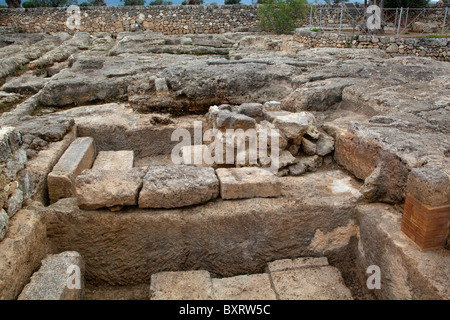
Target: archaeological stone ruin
[{"x": 221, "y": 164}]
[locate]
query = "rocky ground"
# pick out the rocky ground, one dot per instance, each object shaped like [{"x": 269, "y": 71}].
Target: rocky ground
[{"x": 375, "y": 116}]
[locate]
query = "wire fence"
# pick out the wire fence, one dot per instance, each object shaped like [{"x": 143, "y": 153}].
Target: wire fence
[{"x": 398, "y": 21}]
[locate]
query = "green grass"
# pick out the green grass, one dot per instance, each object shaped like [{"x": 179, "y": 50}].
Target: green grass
[{"x": 314, "y": 30}]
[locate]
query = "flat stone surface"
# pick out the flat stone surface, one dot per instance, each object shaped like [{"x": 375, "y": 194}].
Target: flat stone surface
[
  {"x": 294, "y": 264},
  {"x": 178, "y": 186},
  {"x": 51, "y": 281},
  {"x": 78, "y": 156},
  {"x": 430, "y": 185},
  {"x": 244, "y": 287},
  {"x": 108, "y": 188},
  {"x": 314, "y": 283},
  {"x": 112, "y": 160},
  {"x": 241, "y": 183},
  {"x": 181, "y": 285}
]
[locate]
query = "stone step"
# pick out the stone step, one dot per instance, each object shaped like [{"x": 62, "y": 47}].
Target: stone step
[
  {"x": 248, "y": 182},
  {"x": 55, "y": 277},
  {"x": 298, "y": 279},
  {"x": 178, "y": 186},
  {"x": 114, "y": 160},
  {"x": 96, "y": 188},
  {"x": 78, "y": 157}
]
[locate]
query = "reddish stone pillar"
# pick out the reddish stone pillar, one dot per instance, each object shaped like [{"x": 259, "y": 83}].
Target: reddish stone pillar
[{"x": 427, "y": 207}]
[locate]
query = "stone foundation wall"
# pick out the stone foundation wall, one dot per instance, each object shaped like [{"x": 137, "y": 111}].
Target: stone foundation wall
[
  {"x": 434, "y": 48},
  {"x": 166, "y": 19},
  {"x": 12, "y": 180}
]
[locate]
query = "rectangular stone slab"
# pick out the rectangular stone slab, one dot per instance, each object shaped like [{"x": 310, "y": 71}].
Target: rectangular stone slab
[
  {"x": 111, "y": 160},
  {"x": 244, "y": 287},
  {"x": 178, "y": 186},
  {"x": 78, "y": 157},
  {"x": 314, "y": 283},
  {"x": 109, "y": 188},
  {"x": 51, "y": 282},
  {"x": 241, "y": 183},
  {"x": 181, "y": 285}
]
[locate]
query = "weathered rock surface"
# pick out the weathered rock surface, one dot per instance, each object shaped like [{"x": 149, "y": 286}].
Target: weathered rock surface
[
  {"x": 178, "y": 186},
  {"x": 409, "y": 273},
  {"x": 78, "y": 157},
  {"x": 99, "y": 188},
  {"x": 241, "y": 183},
  {"x": 241, "y": 237},
  {"x": 429, "y": 185},
  {"x": 4, "y": 219},
  {"x": 21, "y": 252},
  {"x": 244, "y": 287},
  {"x": 187, "y": 285},
  {"x": 52, "y": 281},
  {"x": 308, "y": 283},
  {"x": 114, "y": 160},
  {"x": 294, "y": 125}
]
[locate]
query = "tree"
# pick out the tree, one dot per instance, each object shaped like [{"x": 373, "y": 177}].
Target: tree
[
  {"x": 192, "y": 2},
  {"x": 133, "y": 2},
  {"x": 281, "y": 16},
  {"x": 405, "y": 3},
  {"x": 93, "y": 3},
  {"x": 232, "y": 1},
  {"x": 335, "y": 1},
  {"x": 51, "y": 3},
  {"x": 160, "y": 3},
  {"x": 13, "y": 3},
  {"x": 29, "y": 4}
]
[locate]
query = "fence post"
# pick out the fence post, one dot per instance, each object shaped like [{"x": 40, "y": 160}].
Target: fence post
[
  {"x": 320, "y": 19},
  {"x": 445, "y": 18},
  {"x": 406, "y": 18},
  {"x": 310, "y": 17},
  {"x": 399, "y": 21},
  {"x": 340, "y": 20},
  {"x": 396, "y": 15}
]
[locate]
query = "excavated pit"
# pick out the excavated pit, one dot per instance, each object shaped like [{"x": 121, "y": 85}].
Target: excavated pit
[{"x": 348, "y": 208}]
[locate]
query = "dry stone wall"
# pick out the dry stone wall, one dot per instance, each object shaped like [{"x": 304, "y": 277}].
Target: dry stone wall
[
  {"x": 434, "y": 48},
  {"x": 166, "y": 19}
]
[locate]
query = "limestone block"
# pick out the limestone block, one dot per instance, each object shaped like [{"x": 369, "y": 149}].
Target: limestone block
[
  {"x": 114, "y": 160},
  {"x": 181, "y": 285},
  {"x": 178, "y": 186},
  {"x": 109, "y": 188},
  {"x": 78, "y": 156},
  {"x": 55, "y": 280},
  {"x": 241, "y": 183},
  {"x": 244, "y": 287}
]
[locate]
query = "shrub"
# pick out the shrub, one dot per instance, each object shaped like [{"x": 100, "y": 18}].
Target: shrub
[
  {"x": 281, "y": 16},
  {"x": 160, "y": 3},
  {"x": 133, "y": 2}
]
